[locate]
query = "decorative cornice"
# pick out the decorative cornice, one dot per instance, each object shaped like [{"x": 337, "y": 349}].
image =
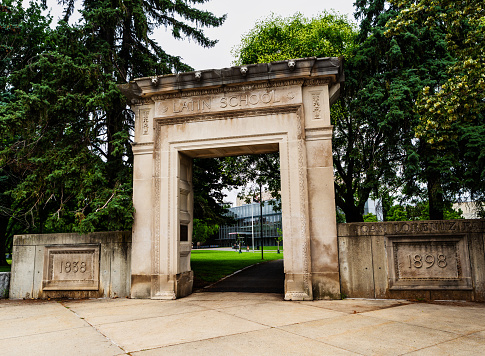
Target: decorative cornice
[
  {"x": 307, "y": 71},
  {"x": 316, "y": 82},
  {"x": 142, "y": 144},
  {"x": 228, "y": 89},
  {"x": 144, "y": 101}
]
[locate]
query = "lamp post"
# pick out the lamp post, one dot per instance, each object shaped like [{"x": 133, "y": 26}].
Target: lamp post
[
  {"x": 261, "y": 216},
  {"x": 252, "y": 223}
]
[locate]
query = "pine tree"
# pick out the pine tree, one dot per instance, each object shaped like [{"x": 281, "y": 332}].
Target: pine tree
[
  {"x": 67, "y": 128},
  {"x": 22, "y": 32}
]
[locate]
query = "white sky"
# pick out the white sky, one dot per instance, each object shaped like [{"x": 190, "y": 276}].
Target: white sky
[{"x": 241, "y": 17}]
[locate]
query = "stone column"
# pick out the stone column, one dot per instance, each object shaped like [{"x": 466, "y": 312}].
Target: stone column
[
  {"x": 323, "y": 227},
  {"x": 143, "y": 200},
  {"x": 142, "y": 227},
  {"x": 294, "y": 195}
]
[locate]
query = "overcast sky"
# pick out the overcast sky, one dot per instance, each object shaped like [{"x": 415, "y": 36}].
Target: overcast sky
[{"x": 241, "y": 17}]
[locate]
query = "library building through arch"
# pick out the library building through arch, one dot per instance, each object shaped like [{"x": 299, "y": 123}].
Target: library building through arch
[{"x": 279, "y": 107}]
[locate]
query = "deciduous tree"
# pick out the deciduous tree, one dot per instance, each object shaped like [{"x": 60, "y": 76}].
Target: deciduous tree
[
  {"x": 374, "y": 148},
  {"x": 451, "y": 113},
  {"x": 391, "y": 71}
]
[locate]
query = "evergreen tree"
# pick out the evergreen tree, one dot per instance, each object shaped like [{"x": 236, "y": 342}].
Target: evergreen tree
[
  {"x": 23, "y": 31},
  {"x": 66, "y": 131}
]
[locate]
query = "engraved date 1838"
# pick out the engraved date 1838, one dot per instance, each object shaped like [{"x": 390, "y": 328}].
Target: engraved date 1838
[{"x": 73, "y": 267}]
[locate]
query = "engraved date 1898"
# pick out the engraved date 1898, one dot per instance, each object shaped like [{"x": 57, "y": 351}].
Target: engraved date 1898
[
  {"x": 73, "y": 267},
  {"x": 427, "y": 261}
]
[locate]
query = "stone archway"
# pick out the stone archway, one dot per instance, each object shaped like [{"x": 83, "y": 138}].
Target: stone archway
[{"x": 278, "y": 107}]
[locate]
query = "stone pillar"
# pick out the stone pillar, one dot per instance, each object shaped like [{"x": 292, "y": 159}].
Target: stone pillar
[
  {"x": 143, "y": 201},
  {"x": 323, "y": 227},
  {"x": 296, "y": 229}
]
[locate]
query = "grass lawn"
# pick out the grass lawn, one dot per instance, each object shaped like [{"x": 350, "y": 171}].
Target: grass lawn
[
  {"x": 266, "y": 248},
  {"x": 6, "y": 268},
  {"x": 272, "y": 248},
  {"x": 210, "y": 266}
]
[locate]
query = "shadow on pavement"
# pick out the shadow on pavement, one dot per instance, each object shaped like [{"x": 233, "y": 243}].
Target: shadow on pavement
[{"x": 268, "y": 277}]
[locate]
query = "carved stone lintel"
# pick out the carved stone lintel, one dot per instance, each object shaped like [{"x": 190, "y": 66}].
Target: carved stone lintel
[
  {"x": 317, "y": 82},
  {"x": 227, "y": 89},
  {"x": 223, "y": 115}
]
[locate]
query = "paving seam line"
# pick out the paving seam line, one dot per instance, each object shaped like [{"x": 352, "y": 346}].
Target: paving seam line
[
  {"x": 194, "y": 341},
  {"x": 150, "y": 317},
  {"x": 443, "y": 342},
  {"x": 95, "y": 328},
  {"x": 35, "y": 334},
  {"x": 416, "y": 325},
  {"x": 305, "y": 302},
  {"x": 317, "y": 340}
]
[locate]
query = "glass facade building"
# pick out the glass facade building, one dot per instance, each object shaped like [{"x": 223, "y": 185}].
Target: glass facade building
[{"x": 248, "y": 222}]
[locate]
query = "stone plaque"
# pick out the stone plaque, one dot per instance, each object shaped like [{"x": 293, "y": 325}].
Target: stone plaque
[
  {"x": 428, "y": 263},
  {"x": 71, "y": 267},
  {"x": 256, "y": 96}
]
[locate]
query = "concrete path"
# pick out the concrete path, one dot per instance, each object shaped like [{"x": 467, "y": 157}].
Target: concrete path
[
  {"x": 268, "y": 277},
  {"x": 240, "y": 324}
]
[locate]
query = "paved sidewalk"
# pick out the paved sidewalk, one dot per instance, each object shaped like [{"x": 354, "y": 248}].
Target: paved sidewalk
[{"x": 240, "y": 324}]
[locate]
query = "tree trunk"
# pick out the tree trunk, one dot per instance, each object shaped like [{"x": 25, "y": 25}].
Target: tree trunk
[
  {"x": 435, "y": 193},
  {"x": 352, "y": 213},
  {"x": 435, "y": 198}
]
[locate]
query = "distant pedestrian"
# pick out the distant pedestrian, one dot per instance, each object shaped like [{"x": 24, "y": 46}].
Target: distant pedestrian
[{"x": 247, "y": 248}]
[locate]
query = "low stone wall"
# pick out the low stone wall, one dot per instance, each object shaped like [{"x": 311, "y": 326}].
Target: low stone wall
[
  {"x": 94, "y": 265},
  {"x": 428, "y": 260},
  {"x": 4, "y": 284}
]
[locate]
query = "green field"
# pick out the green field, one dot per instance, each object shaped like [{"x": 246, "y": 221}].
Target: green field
[
  {"x": 265, "y": 248},
  {"x": 210, "y": 266},
  {"x": 272, "y": 248},
  {"x": 6, "y": 268}
]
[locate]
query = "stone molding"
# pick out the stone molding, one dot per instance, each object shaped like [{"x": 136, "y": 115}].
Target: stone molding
[
  {"x": 305, "y": 71},
  {"x": 174, "y": 120}
]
